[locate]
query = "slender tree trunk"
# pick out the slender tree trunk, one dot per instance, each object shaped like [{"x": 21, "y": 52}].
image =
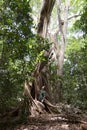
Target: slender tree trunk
[
  {"x": 63, "y": 32},
  {"x": 59, "y": 45}
]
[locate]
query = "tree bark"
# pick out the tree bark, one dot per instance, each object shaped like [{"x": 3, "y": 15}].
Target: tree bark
[
  {"x": 42, "y": 28},
  {"x": 41, "y": 71},
  {"x": 63, "y": 32},
  {"x": 59, "y": 45},
  {"x": 45, "y": 17}
]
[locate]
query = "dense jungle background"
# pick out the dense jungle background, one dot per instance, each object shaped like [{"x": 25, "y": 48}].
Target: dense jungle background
[{"x": 43, "y": 43}]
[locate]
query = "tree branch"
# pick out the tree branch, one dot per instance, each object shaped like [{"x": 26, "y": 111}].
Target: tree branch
[{"x": 74, "y": 16}]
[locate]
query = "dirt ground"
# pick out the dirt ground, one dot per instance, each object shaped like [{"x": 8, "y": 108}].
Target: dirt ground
[
  {"x": 54, "y": 126},
  {"x": 66, "y": 119},
  {"x": 52, "y": 122}
]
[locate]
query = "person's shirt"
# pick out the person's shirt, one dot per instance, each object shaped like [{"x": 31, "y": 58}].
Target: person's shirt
[{"x": 42, "y": 95}]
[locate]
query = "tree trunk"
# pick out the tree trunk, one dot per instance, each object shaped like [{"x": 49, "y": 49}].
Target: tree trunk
[
  {"x": 41, "y": 71},
  {"x": 42, "y": 28},
  {"x": 63, "y": 31},
  {"x": 59, "y": 46},
  {"x": 45, "y": 17}
]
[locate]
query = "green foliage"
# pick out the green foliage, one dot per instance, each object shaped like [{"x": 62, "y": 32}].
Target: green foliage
[
  {"x": 15, "y": 30},
  {"x": 20, "y": 50},
  {"x": 81, "y": 24},
  {"x": 75, "y": 65},
  {"x": 75, "y": 76}
]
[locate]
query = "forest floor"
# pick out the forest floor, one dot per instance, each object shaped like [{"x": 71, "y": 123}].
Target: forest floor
[
  {"x": 68, "y": 119},
  {"x": 51, "y": 122}
]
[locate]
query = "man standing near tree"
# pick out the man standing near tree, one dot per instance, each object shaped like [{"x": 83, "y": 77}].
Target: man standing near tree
[{"x": 42, "y": 94}]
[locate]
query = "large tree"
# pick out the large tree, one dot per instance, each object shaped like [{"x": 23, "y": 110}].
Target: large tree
[{"x": 41, "y": 73}]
